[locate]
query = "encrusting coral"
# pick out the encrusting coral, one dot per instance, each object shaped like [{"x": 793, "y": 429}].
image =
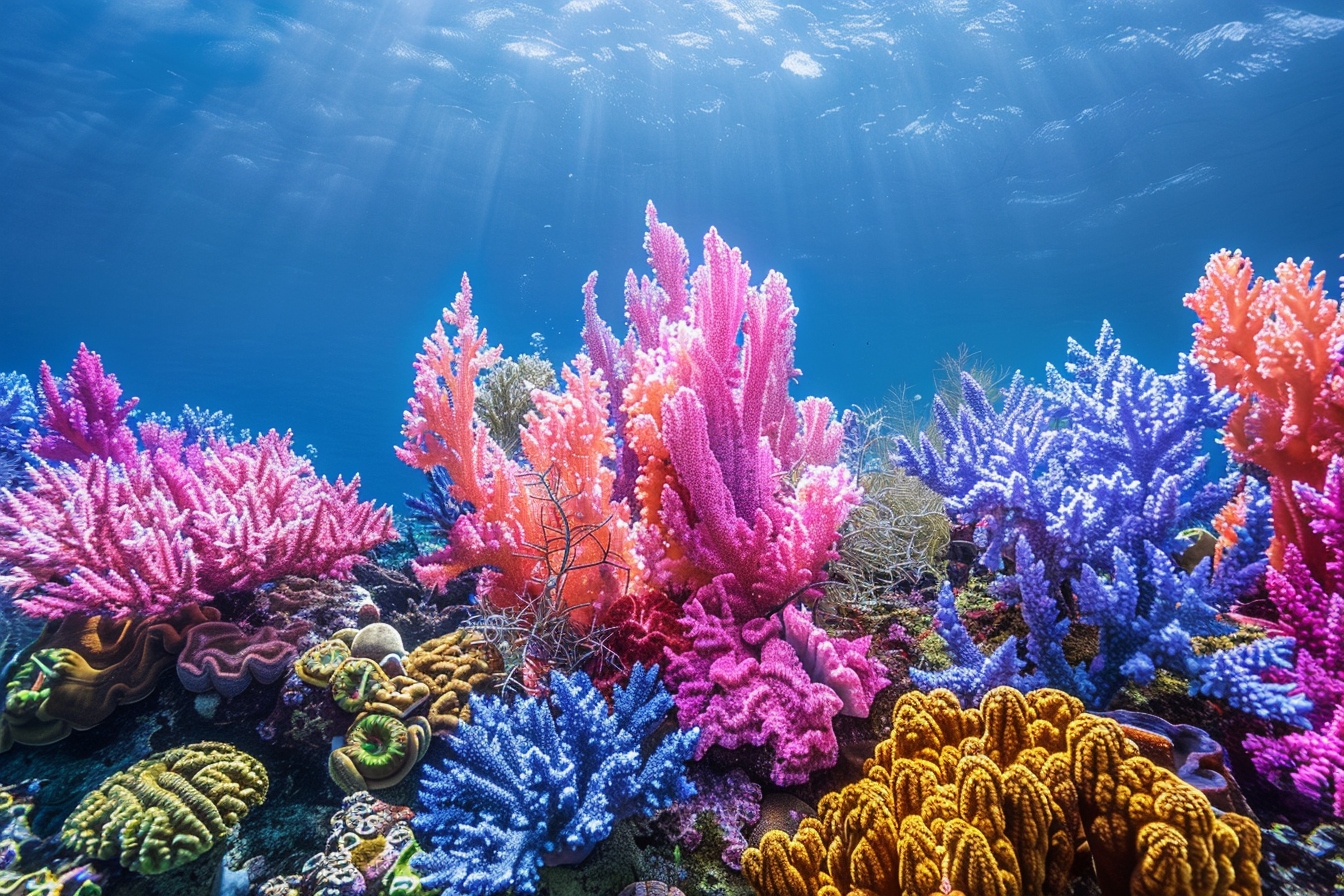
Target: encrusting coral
[
  {"x": 168, "y": 809},
  {"x": 999, "y": 801}
]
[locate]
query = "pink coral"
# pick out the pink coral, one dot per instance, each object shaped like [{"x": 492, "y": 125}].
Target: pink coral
[
  {"x": 144, "y": 531},
  {"x": 1312, "y": 762},
  {"x": 739, "y": 498},
  {"x": 83, "y": 415},
  {"x": 747, "y": 683}
]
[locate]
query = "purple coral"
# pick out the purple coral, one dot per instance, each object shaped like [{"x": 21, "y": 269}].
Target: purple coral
[
  {"x": 731, "y": 798},
  {"x": 225, "y": 658}
]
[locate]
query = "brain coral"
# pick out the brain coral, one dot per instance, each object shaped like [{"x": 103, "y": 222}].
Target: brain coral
[
  {"x": 999, "y": 801},
  {"x": 168, "y": 809},
  {"x": 454, "y": 667}
]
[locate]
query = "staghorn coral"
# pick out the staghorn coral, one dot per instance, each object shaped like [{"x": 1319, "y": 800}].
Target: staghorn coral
[
  {"x": 454, "y": 667},
  {"x": 545, "y": 781},
  {"x": 169, "y": 809},
  {"x": 545, "y": 523},
  {"x": 998, "y": 801}
]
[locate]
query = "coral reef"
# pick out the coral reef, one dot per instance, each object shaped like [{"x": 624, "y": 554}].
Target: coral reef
[
  {"x": 523, "y": 786},
  {"x": 168, "y": 809},
  {"x": 998, "y": 800}
]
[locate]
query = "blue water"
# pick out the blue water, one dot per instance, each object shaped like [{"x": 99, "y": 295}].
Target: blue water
[{"x": 262, "y": 207}]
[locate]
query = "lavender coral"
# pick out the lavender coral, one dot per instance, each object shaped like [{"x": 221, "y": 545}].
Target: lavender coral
[
  {"x": 543, "y": 782},
  {"x": 1088, "y": 483}
]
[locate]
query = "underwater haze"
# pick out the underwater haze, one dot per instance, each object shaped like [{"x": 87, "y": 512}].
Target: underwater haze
[{"x": 262, "y": 207}]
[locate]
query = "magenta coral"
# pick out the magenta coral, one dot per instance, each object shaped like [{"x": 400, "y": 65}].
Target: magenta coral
[
  {"x": 144, "y": 531},
  {"x": 83, "y": 415},
  {"x": 747, "y": 684},
  {"x": 739, "y": 499}
]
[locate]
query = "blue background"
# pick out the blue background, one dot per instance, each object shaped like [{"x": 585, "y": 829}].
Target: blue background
[{"x": 262, "y": 207}]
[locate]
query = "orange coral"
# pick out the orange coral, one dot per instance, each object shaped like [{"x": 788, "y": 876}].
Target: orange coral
[
  {"x": 1273, "y": 342},
  {"x": 998, "y": 801},
  {"x": 1225, "y": 522},
  {"x": 550, "y": 526}
]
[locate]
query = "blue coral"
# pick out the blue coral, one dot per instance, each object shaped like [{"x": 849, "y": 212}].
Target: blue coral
[
  {"x": 18, "y": 417},
  {"x": 436, "y": 507},
  {"x": 543, "y": 782},
  {"x": 972, "y": 674},
  {"x": 1090, "y": 481}
]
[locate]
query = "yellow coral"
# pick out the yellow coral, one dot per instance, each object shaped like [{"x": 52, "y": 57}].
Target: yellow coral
[
  {"x": 997, "y": 801},
  {"x": 168, "y": 809},
  {"x": 454, "y": 667}
]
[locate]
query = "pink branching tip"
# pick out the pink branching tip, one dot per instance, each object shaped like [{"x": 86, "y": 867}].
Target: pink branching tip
[{"x": 83, "y": 415}]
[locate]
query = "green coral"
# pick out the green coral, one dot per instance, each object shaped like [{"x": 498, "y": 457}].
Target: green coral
[
  {"x": 403, "y": 880},
  {"x": 355, "y": 683},
  {"x": 504, "y": 396},
  {"x": 169, "y": 809}
]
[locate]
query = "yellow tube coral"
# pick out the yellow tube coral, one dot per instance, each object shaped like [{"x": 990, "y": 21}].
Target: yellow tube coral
[{"x": 998, "y": 801}]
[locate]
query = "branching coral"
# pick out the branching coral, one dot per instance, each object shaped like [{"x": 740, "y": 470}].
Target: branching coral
[
  {"x": 18, "y": 417},
  {"x": 525, "y": 784},
  {"x": 549, "y": 525},
  {"x": 168, "y": 809},
  {"x": 999, "y": 800},
  {"x": 1275, "y": 344},
  {"x": 122, "y": 529},
  {"x": 1087, "y": 484}
]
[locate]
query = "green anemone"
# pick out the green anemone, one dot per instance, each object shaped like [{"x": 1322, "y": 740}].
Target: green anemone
[{"x": 378, "y": 746}]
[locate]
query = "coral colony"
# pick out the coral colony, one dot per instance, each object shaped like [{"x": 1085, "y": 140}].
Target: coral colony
[{"x": 637, "y": 611}]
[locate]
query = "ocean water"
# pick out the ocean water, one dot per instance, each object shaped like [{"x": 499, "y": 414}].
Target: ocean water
[{"x": 262, "y": 207}]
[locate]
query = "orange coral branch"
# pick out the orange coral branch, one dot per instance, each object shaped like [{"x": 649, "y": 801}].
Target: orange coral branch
[{"x": 1276, "y": 343}]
